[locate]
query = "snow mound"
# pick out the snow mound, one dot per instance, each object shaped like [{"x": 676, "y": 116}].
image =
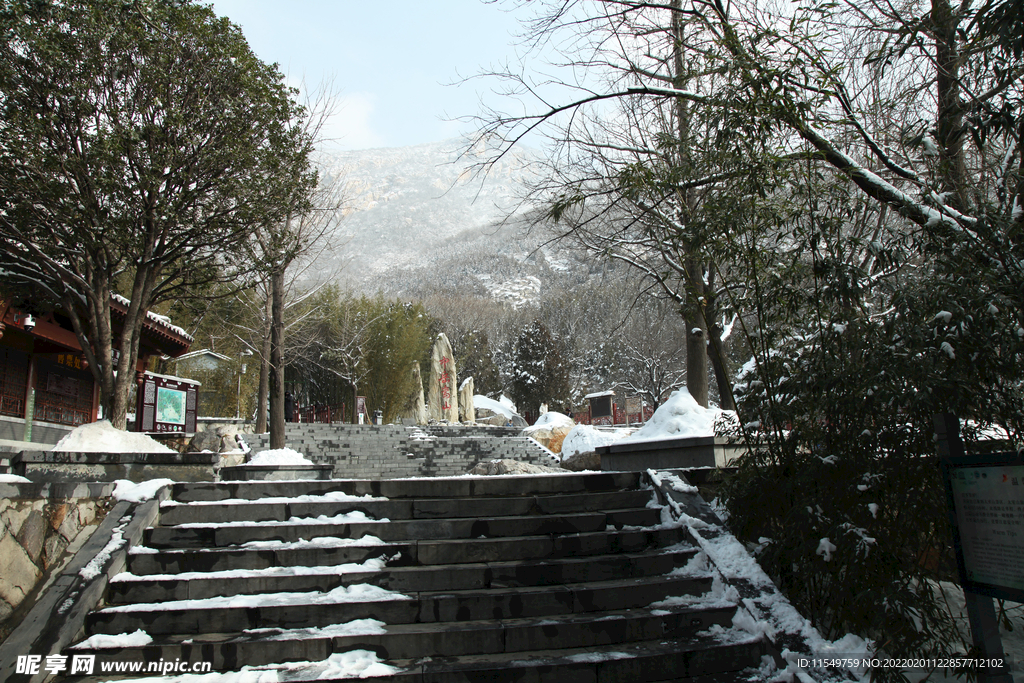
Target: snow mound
[
  {"x": 280, "y": 456},
  {"x": 103, "y": 437},
  {"x": 13, "y": 479},
  {"x": 679, "y": 417},
  {"x": 552, "y": 419},
  {"x": 495, "y": 407},
  {"x": 584, "y": 438}
]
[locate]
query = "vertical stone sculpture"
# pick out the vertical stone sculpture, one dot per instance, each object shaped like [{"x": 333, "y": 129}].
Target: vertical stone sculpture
[
  {"x": 416, "y": 408},
  {"x": 466, "y": 406},
  {"x": 444, "y": 397}
]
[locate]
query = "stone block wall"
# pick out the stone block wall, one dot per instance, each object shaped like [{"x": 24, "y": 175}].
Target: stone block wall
[
  {"x": 37, "y": 524},
  {"x": 396, "y": 451}
]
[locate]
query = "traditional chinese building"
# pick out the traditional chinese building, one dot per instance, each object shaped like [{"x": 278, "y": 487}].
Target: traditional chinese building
[{"x": 46, "y": 388}]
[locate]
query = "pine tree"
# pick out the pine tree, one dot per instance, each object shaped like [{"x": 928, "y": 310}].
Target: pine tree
[{"x": 540, "y": 373}]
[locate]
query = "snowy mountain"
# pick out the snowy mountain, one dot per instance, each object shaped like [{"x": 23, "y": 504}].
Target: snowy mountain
[{"x": 404, "y": 205}]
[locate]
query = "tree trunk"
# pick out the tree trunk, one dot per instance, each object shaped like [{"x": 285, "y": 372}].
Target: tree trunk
[
  {"x": 950, "y": 115},
  {"x": 716, "y": 348},
  {"x": 277, "y": 358},
  {"x": 261, "y": 402}
]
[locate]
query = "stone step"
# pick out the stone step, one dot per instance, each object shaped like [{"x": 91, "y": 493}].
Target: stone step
[
  {"x": 445, "y": 577},
  {"x": 702, "y": 659},
  {"x": 310, "y": 610},
  {"x": 405, "y": 508},
  {"x": 263, "y": 646},
  {"x": 420, "y": 487},
  {"x": 222, "y": 536},
  {"x": 317, "y": 553}
]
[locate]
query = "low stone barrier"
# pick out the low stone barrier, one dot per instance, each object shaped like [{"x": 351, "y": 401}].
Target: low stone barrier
[
  {"x": 701, "y": 451},
  {"x": 40, "y": 525},
  {"x": 63, "y": 466}
]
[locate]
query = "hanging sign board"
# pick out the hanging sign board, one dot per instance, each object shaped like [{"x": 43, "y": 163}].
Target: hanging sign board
[
  {"x": 986, "y": 497},
  {"x": 167, "y": 404}
]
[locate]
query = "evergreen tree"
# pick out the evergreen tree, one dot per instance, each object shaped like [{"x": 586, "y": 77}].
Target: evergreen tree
[
  {"x": 474, "y": 359},
  {"x": 539, "y": 373}
]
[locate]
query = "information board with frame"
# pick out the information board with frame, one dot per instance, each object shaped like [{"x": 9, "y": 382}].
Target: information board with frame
[
  {"x": 167, "y": 405},
  {"x": 986, "y": 504}
]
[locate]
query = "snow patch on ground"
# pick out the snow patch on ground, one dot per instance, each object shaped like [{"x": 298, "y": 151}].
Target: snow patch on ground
[
  {"x": 103, "y": 437},
  {"x": 357, "y": 627},
  {"x": 101, "y": 640},
  {"x": 376, "y": 564},
  {"x": 360, "y": 592},
  {"x": 329, "y": 497},
  {"x": 138, "y": 492},
  {"x": 280, "y": 456},
  {"x": 354, "y": 517}
]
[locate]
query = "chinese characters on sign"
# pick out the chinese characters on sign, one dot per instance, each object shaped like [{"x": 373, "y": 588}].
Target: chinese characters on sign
[
  {"x": 167, "y": 404},
  {"x": 445, "y": 380},
  {"x": 31, "y": 665},
  {"x": 989, "y": 504}
]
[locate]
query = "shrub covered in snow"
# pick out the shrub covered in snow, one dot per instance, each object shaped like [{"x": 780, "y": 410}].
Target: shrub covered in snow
[{"x": 841, "y": 494}]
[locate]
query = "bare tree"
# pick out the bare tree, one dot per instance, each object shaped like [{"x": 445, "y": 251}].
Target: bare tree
[{"x": 298, "y": 239}]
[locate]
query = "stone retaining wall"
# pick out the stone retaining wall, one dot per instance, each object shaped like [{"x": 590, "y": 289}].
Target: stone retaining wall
[
  {"x": 38, "y": 523},
  {"x": 395, "y": 451}
]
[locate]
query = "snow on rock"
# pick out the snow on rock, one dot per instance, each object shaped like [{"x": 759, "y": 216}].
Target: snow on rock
[
  {"x": 101, "y": 640},
  {"x": 103, "y": 437},
  {"x": 496, "y": 407},
  {"x": 679, "y": 417},
  {"x": 549, "y": 420},
  {"x": 584, "y": 438},
  {"x": 138, "y": 493},
  {"x": 280, "y": 456}
]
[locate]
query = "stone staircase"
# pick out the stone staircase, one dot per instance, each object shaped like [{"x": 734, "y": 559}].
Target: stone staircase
[
  {"x": 392, "y": 451},
  {"x": 575, "y": 577}
]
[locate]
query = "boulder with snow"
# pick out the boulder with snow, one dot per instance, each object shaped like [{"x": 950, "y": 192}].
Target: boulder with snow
[
  {"x": 550, "y": 430},
  {"x": 502, "y": 412},
  {"x": 580, "y": 462}
]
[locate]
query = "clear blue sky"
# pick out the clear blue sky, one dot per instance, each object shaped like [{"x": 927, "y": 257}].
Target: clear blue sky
[{"x": 390, "y": 60}]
